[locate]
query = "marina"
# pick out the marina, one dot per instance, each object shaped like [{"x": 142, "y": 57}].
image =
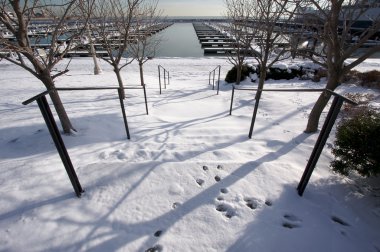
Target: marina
[{"x": 216, "y": 42}]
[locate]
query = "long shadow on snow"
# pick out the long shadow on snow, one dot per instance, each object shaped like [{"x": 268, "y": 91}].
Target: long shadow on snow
[
  {"x": 168, "y": 219},
  {"x": 35, "y": 139}
]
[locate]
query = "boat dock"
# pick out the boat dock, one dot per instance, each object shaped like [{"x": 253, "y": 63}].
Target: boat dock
[
  {"x": 81, "y": 49},
  {"x": 215, "y": 42}
]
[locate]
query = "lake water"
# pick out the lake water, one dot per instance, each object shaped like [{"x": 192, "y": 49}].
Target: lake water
[{"x": 179, "y": 40}]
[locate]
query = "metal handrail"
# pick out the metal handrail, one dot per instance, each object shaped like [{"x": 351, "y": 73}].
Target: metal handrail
[
  {"x": 56, "y": 135},
  {"x": 159, "y": 76},
  {"x": 323, "y": 135},
  {"x": 213, "y": 73},
  {"x": 109, "y": 88}
]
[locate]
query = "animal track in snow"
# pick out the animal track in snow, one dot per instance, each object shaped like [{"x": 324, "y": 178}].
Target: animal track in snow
[
  {"x": 224, "y": 190},
  {"x": 205, "y": 168},
  {"x": 339, "y": 221},
  {"x": 268, "y": 203},
  {"x": 157, "y": 248},
  {"x": 158, "y": 233},
  {"x": 217, "y": 178},
  {"x": 175, "y": 205},
  {"x": 251, "y": 203},
  {"x": 228, "y": 211},
  {"x": 200, "y": 182},
  {"x": 291, "y": 221}
]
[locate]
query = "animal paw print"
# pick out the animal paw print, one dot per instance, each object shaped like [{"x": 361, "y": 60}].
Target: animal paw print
[
  {"x": 252, "y": 203},
  {"x": 291, "y": 221},
  {"x": 226, "y": 209}
]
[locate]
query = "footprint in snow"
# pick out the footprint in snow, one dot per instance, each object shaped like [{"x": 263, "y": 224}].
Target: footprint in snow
[
  {"x": 200, "y": 182},
  {"x": 175, "y": 205},
  {"x": 268, "y": 203},
  {"x": 228, "y": 211},
  {"x": 339, "y": 221},
  {"x": 205, "y": 168},
  {"x": 156, "y": 248},
  {"x": 220, "y": 198},
  {"x": 217, "y": 178},
  {"x": 291, "y": 221},
  {"x": 252, "y": 203},
  {"x": 224, "y": 190},
  {"x": 13, "y": 140},
  {"x": 158, "y": 233}
]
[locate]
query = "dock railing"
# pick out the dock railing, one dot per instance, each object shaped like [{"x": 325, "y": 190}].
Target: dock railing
[
  {"x": 323, "y": 135},
  {"x": 166, "y": 76},
  {"x": 212, "y": 80}
]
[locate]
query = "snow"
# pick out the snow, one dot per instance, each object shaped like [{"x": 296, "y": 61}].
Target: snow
[{"x": 189, "y": 179}]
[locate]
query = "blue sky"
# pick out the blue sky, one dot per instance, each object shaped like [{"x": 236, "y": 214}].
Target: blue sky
[{"x": 192, "y": 7}]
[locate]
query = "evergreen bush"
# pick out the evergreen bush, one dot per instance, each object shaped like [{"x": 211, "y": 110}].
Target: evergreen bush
[
  {"x": 232, "y": 74},
  {"x": 357, "y": 144}
]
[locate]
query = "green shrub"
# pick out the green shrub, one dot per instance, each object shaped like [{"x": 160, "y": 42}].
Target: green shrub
[
  {"x": 357, "y": 144},
  {"x": 232, "y": 74}
]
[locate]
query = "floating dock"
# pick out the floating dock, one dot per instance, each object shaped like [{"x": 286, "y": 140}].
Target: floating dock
[{"x": 215, "y": 42}]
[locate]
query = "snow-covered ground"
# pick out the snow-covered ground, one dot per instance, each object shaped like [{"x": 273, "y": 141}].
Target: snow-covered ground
[{"x": 188, "y": 180}]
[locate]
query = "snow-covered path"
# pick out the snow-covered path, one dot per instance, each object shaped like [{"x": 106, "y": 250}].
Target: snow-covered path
[{"x": 188, "y": 180}]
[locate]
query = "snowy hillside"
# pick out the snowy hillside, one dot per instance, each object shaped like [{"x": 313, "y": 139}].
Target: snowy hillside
[{"x": 188, "y": 180}]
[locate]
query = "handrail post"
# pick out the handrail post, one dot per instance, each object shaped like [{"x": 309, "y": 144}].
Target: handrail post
[
  {"x": 123, "y": 111},
  {"x": 232, "y": 98},
  {"x": 159, "y": 77},
  {"x": 164, "y": 78},
  {"x": 213, "y": 80},
  {"x": 59, "y": 144},
  {"x": 322, "y": 138},
  {"x": 257, "y": 101},
  {"x": 168, "y": 78},
  {"x": 146, "y": 100},
  {"x": 218, "y": 80}
]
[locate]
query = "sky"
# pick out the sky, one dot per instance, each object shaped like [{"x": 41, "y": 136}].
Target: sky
[{"x": 192, "y": 7}]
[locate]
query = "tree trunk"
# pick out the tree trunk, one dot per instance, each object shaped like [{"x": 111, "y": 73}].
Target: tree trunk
[
  {"x": 238, "y": 73},
  {"x": 315, "y": 114},
  {"x": 62, "y": 115},
  {"x": 58, "y": 105},
  {"x": 141, "y": 74},
  {"x": 263, "y": 75},
  {"x": 120, "y": 81}
]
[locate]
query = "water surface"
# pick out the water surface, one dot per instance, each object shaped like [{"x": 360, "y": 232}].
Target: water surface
[{"x": 179, "y": 40}]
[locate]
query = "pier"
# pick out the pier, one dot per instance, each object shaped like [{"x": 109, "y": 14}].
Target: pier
[
  {"x": 80, "y": 49},
  {"x": 215, "y": 42}
]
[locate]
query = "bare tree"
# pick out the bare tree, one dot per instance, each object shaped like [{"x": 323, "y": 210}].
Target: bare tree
[
  {"x": 17, "y": 15},
  {"x": 114, "y": 21},
  {"x": 265, "y": 36},
  {"x": 239, "y": 13},
  {"x": 145, "y": 46},
  {"x": 341, "y": 38},
  {"x": 271, "y": 34}
]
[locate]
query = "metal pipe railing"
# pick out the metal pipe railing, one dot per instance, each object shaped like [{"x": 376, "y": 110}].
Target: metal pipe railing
[
  {"x": 166, "y": 72},
  {"x": 323, "y": 135},
  {"x": 56, "y": 135},
  {"x": 105, "y": 88},
  {"x": 213, "y": 73}
]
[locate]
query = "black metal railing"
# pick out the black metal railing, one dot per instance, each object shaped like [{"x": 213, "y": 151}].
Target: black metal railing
[
  {"x": 56, "y": 135},
  {"x": 212, "y": 80},
  {"x": 143, "y": 87},
  {"x": 323, "y": 135},
  {"x": 166, "y": 76}
]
